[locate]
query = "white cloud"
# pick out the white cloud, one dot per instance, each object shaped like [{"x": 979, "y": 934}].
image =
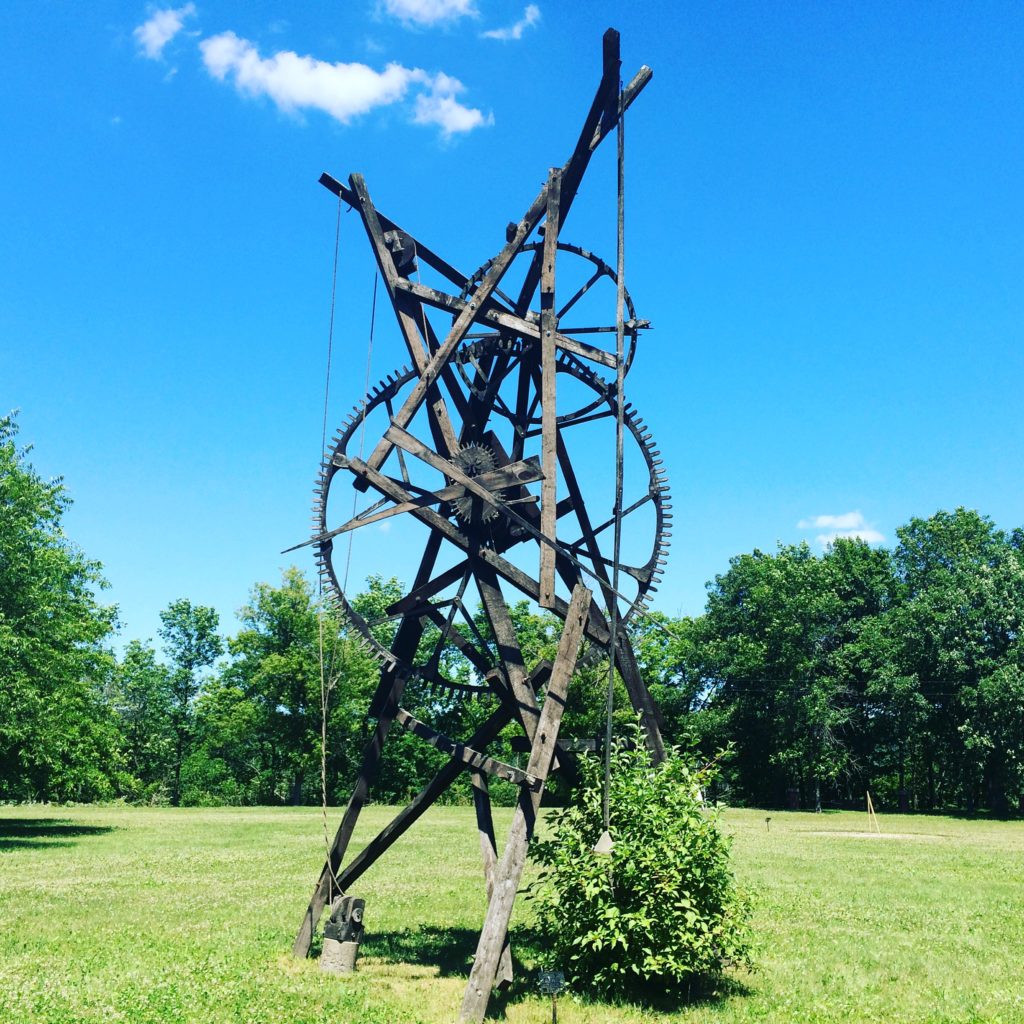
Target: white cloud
[
  {"x": 843, "y": 525},
  {"x": 430, "y": 12},
  {"x": 344, "y": 91},
  {"x": 868, "y": 534},
  {"x": 153, "y": 35},
  {"x": 530, "y": 18},
  {"x": 843, "y": 521},
  {"x": 440, "y": 107}
]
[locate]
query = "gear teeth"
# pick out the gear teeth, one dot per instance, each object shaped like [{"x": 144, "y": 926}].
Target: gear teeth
[{"x": 327, "y": 471}]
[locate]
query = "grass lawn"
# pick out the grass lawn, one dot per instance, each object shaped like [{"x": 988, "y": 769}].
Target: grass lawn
[{"x": 124, "y": 914}]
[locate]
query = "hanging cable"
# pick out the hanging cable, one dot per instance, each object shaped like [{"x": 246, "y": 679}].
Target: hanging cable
[{"x": 613, "y": 618}]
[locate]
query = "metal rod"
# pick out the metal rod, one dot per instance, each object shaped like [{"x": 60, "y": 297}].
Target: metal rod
[{"x": 613, "y": 617}]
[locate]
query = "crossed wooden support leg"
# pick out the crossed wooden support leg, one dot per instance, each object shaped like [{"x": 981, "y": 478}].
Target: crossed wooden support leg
[{"x": 509, "y": 871}]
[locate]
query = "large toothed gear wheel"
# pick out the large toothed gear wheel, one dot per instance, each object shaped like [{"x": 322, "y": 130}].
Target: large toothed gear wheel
[{"x": 503, "y": 459}]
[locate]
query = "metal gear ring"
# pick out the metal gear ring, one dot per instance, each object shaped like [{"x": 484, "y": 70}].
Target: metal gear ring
[{"x": 647, "y": 512}]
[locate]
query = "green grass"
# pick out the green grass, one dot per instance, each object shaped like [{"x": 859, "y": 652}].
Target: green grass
[{"x": 120, "y": 914}]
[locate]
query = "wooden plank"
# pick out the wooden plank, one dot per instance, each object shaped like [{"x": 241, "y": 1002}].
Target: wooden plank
[
  {"x": 597, "y": 630},
  {"x": 498, "y": 317},
  {"x": 591, "y": 544},
  {"x": 629, "y": 94},
  {"x": 513, "y": 475},
  {"x": 489, "y": 856},
  {"x": 423, "y": 251},
  {"x": 453, "y": 636},
  {"x": 510, "y": 871},
  {"x": 419, "y": 595},
  {"x": 576, "y": 166},
  {"x": 466, "y": 755},
  {"x": 409, "y": 815},
  {"x": 407, "y": 322},
  {"x": 549, "y": 424},
  {"x": 360, "y": 794},
  {"x": 384, "y": 704},
  {"x": 463, "y": 321},
  {"x": 414, "y": 446},
  {"x": 510, "y": 655}
]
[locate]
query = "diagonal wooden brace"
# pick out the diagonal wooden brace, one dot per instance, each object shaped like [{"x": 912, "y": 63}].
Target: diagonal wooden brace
[{"x": 508, "y": 873}]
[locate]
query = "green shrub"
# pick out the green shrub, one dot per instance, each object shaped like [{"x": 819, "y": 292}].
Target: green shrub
[{"x": 663, "y": 909}]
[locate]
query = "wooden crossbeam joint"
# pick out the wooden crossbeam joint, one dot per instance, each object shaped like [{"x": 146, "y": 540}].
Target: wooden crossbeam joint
[{"x": 458, "y": 751}]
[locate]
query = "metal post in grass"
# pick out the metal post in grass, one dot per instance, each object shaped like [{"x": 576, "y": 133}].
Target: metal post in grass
[{"x": 550, "y": 984}]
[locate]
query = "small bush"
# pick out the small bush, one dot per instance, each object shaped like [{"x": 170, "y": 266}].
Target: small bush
[{"x": 664, "y": 908}]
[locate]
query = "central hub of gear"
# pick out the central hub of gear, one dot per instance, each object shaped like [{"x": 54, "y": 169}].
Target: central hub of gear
[{"x": 475, "y": 460}]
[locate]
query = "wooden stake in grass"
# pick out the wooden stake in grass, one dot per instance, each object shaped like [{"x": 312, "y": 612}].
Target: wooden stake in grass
[{"x": 872, "y": 817}]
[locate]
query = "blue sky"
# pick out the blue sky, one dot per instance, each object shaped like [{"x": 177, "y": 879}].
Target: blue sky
[{"x": 825, "y": 225}]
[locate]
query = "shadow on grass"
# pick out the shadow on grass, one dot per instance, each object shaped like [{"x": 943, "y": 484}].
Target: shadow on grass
[
  {"x": 451, "y": 951},
  {"x": 17, "y": 833},
  {"x": 699, "y": 992}
]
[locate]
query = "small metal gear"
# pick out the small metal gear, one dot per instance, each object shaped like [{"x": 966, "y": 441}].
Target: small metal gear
[{"x": 475, "y": 460}]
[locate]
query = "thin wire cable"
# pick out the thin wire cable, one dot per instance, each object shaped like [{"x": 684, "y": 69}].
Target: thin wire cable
[{"x": 613, "y": 624}]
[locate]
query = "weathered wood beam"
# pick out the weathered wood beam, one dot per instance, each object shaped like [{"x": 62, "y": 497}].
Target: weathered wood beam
[
  {"x": 454, "y": 637},
  {"x": 509, "y": 872},
  {"x": 493, "y": 316},
  {"x": 515, "y": 474},
  {"x": 360, "y": 794},
  {"x": 410, "y": 814},
  {"x": 629, "y": 94},
  {"x": 414, "y": 446},
  {"x": 573, "y": 171},
  {"x": 423, "y": 251},
  {"x": 384, "y": 704},
  {"x": 510, "y": 654},
  {"x": 467, "y": 756},
  {"x": 489, "y": 856},
  {"x": 597, "y": 630},
  {"x": 407, "y": 322},
  {"x": 549, "y": 422}
]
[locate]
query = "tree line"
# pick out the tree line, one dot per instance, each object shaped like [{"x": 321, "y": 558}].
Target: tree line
[{"x": 812, "y": 678}]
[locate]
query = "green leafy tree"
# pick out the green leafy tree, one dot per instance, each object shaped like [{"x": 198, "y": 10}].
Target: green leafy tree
[
  {"x": 762, "y": 639},
  {"x": 783, "y": 654},
  {"x": 957, "y": 627},
  {"x": 191, "y": 643},
  {"x": 144, "y": 702},
  {"x": 277, "y": 671},
  {"x": 58, "y": 739}
]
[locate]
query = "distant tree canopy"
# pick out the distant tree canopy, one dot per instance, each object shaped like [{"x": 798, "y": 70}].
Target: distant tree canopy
[
  {"x": 58, "y": 735},
  {"x": 866, "y": 668},
  {"x": 900, "y": 671}
]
